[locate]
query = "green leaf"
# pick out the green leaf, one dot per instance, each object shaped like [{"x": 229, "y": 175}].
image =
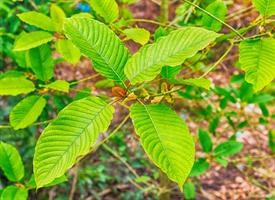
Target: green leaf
[
  {"x": 219, "y": 10},
  {"x": 27, "y": 111},
  {"x": 31, "y": 183},
  {"x": 104, "y": 84},
  {"x": 71, "y": 135},
  {"x": 98, "y": 42},
  {"x": 165, "y": 138},
  {"x": 14, "y": 193},
  {"x": 68, "y": 50},
  {"x": 139, "y": 35},
  {"x": 31, "y": 40},
  {"x": 205, "y": 141},
  {"x": 108, "y": 9},
  {"x": 41, "y": 62},
  {"x": 189, "y": 191},
  {"x": 37, "y": 19},
  {"x": 198, "y": 82},
  {"x": 170, "y": 72},
  {"x": 271, "y": 140},
  {"x": 221, "y": 161},
  {"x": 58, "y": 17},
  {"x": 59, "y": 85},
  {"x": 199, "y": 167},
  {"x": 265, "y": 7},
  {"x": 258, "y": 61},
  {"x": 170, "y": 50},
  {"x": 11, "y": 163},
  {"x": 15, "y": 85},
  {"x": 228, "y": 148}
]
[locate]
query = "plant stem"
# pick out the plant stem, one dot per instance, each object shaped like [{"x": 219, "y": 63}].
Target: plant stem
[
  {"x": 85, "y": 79},
  {"x": 214, "y": 17},
  {"x": 146, "y": 21},
  {"x": 164, "y": 11},
  {"x": 34, "y": 124},
  {"x": 164, "y": 193},
  {"x": 219, "y": 61},
  {"x": 112, "y": 133}
]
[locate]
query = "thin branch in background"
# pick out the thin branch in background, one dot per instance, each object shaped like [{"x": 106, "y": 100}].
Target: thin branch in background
[
  {"x": 74, "y": 183},
  {"x": 214, "y": 17},
  {"x": 218, "y": 61},
  {"x": 85, "y": 79}
]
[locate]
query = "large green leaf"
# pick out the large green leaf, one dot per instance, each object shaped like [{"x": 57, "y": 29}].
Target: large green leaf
[
  {"x": 108, "y": 9},
  {"x": 68, "y": 50},
  {"x": 14, "y": 193},
  {"x": 258, "y": 61},
  {"x": 170, "y": 50},
  {"x": 58, "y": 17},
  {"x": 59, "y": 85},
  {"x": 27, "y": 111},
  {"x": 70, "y": 136},
  {"x": 165, "y": 138},
  {"x": 15, "y": 85},
  {"x": 31, "y": 40},
  {"x": 98, "y": 42},
  {"x": 41, "y": 62},
  {"x": 139, "y": 35},
  {"x": 37, "y": 19},
  {"x": 265, "y": 7},
  {"x": 10, "y": 162},
  {"x": 219, "y": 10},
  {"x": 198, "y": 82}
]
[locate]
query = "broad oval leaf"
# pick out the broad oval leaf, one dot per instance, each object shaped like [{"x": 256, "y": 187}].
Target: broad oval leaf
[
  {"x": 99, "y": 43},
  {"x": 15, "y": 85},
  {"x": 68, "y": 50},
  {"x": 228, "y": 148},
  {"x": 59, "y": 85},
  {"x": 10, "y": 162},
  {"x": 108, "y": 9},
  {"x": 31, "y": 40},
  {"x": 139, "y": 35},
  {"x": 265, "y": 7},
  {"x": 197, "y": 82},
  {"x": 27, "y": 111},
  {"x": 14, "y": 193},
  {"x": 170, "y": 50},
  {"x": 205, "y": 140},
  {"x": 219, "y": 10},
  {"x": 41, "y": 62},
  {"x": 37, "y": 19},
  {"x": 71, "y": 135},
  {"x": 165, "y": 138},
  {"x": 58, "y": 17},
  {"x": 258, "y": 61}
]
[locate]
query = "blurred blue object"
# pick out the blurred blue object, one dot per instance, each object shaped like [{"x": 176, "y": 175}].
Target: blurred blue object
[{"x": 84, "y": 7}]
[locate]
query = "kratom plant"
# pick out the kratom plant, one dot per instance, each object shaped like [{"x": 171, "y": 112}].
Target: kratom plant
[{"x": 163, "y": 134}]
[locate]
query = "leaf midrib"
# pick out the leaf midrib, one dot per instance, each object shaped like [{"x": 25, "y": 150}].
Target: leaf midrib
[
  {"x": 70, "y": 146},
  {"x": 102, "y": 57},
  {"x": 164, "y": 149}
]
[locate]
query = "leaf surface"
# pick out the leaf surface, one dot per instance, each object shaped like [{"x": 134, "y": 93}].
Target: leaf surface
[
  {"x": 165, "y": 138},
  {"x": 258, "y": 61},
  {"x": 68, "y": 50},
  {"x": 31, "y": 40},
  {"x": 37, "y": 19},
  {"x": 265, "y": 7},
  {"x": 170, "y": 50},
  {"x": 15, "y": 85},
  {"x": 27, "y": 111},
  {"x": 10, "y": 162},
  {"x": 108, "y": 9},
  {"x": 71, "y": 135},
  {"x": 14, "y": 193},
  {"x": 99, "y": 43}
]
